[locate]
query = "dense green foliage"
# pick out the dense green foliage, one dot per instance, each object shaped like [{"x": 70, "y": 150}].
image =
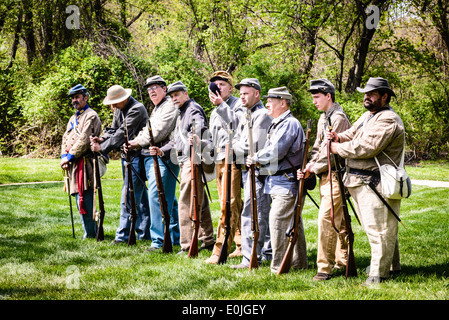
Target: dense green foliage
[
  {"x": 282, "y": 43},
  {"x": 41, "y": 261}
]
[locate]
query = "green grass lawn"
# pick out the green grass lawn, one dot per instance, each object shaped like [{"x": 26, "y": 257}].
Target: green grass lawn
[{"x": 40, "y": 260}]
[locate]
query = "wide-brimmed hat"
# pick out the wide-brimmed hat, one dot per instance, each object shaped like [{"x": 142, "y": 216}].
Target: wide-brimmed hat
[
  {"x": 77, "y": 89},
  {"x": 176, "y": 86},
  {"x": 116, "y": 94},
  {"x": 376, "y": 84},
  {"x": 250, "y": 82},
  {"x": 278, "y": 93},
  {"x": 221, "y": 75},
  {"x": 321, "y": 85},
  {"x": 155, "y": 80}
]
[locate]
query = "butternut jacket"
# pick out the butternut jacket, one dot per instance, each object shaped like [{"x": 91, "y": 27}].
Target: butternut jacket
[
  {"x": 368, "y": 137},
  {"x": 340, "y": 123},
  {"x": 163, "y": 121},
  {"x": 76, "y": 142}
]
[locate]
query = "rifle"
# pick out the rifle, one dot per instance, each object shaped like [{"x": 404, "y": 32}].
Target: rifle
[
  {"x": 66, "y": 177},
  {"x": 351, "y": 268},
  {"x": 226, "y": 200},
  {"x": 253, "y": 263},
  {"x": 99, "y": 216},
  {"x": 132, "y": 197},
  {"x": 167, "y": 244},
  {"x": 292, "y": 234},
  {"x": 194, "y": 204}
]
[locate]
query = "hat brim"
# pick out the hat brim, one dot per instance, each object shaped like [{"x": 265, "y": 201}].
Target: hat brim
[
  {"x": 275, "y": 96},
  {"x": 237, "y": 86},
  {"x": 146, "y": 85},
  {"x": 107, "y": 101},
  {"x": 370, "y": 88},
  {"x": 213, "y": 79}
]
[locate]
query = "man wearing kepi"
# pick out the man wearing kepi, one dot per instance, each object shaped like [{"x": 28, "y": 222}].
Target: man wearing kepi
[
  {"x": 188, "y": 112},
  {"x": 260, "y": 120},
  {"x": 332, "y": 246},
  {"x": 134, "y": 113},
  {"x": 281, "y": 155},
  {"x": 163, "y": 120},
  {"x": 380, "y": 133},
  {"x": 221, "y": 124},
  {"x": 76, "y": 156}
]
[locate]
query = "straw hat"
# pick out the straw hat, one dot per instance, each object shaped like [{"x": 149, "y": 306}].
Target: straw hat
[{"x": 116, "y": 94}]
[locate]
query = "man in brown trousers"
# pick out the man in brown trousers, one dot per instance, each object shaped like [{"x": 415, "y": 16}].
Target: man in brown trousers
[{"x": 332, "y": 245}]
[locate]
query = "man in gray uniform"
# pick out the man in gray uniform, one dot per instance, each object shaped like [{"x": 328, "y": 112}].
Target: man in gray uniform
[
  {"x": 220, "y": 127},
  {"x": 189, "y": 111},
  {"x": 380, "y": 133},
  {"x": 250, "y": 96},
  {"x": 282, "y": 154}
]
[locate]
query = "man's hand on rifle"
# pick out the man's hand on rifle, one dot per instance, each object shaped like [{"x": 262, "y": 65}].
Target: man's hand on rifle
[
  {"x": 306, "y": 173},
  {"x": 333, "y": 136},
  {"x": 194, "y": 138},
  {"x": 155, "y": 151},
  {"x": 64, "y": 163},
  {"x": 250, "y": 161},
  {"x": 132, "y": 144},
  {"x": 95, "y": 143}
]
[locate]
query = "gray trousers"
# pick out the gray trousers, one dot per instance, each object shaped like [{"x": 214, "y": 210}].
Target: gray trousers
[{"x": 263, "y": 211}]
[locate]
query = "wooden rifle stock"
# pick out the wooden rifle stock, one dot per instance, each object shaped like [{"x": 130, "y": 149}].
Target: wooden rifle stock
[
  {"x": 253, "y": 262},
  {"x": 97, "y": 186},
  {"x": 194, "y": 203},
  {"x": 167, "y": 244},
  {"x": 226, "y": 200},
  {"x": 132, "y": 197},
  {"x": 351, "y": 268},
  {"x": 293, "y": 233}
]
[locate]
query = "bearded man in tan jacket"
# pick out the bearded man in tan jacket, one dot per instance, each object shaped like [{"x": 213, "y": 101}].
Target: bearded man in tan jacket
[
  {"x": 380, "y": 133},
  {"x": 76, "y": 156}
]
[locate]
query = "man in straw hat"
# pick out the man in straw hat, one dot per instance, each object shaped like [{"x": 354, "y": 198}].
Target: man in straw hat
[
  {"x": 189, "y": 112},
  {"x": 332, "y": 246},
  {"x": 76, "y": 156},
  {"x": 380, "y": 133},
  {"x": 260, "y": 120},
  {"x": 223, "y": 122},
  {"x": 129, "y": 110},
  {"x": 163, "y": 120},
  {"x": 282, "y": 153}
]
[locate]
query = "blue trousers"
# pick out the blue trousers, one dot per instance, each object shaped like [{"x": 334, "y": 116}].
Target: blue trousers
[
  {"x": 157, "y": 222},
  {"x": 87, "y": 220},
  {"x": 263, "y": 211},
  {"x": 141, "y": 195}
]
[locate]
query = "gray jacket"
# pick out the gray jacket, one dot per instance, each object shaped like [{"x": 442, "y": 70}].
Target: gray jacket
[
  {"x": 220, "y": 121},
  {"x": 190, "y": 111},
  {"x": 260, "y": 123}
]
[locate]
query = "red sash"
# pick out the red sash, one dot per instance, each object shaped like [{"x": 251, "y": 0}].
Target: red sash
[{"x": 80, "y": 183}]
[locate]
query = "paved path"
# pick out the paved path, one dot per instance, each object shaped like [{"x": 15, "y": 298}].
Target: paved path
[{"x": 431, "y": 183}]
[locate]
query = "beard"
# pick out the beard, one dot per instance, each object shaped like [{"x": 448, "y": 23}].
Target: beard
[{"x": 370, "y": 105}]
